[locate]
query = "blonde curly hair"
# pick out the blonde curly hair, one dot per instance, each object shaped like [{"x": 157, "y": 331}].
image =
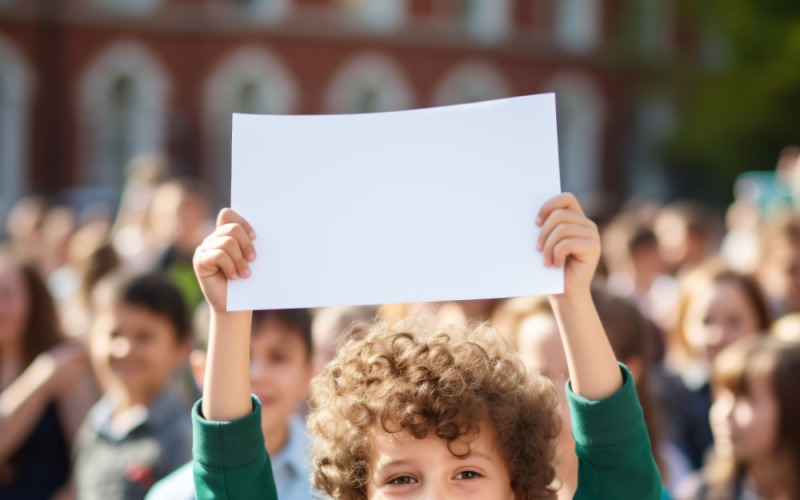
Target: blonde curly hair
[{"x": 421, "y": 378}]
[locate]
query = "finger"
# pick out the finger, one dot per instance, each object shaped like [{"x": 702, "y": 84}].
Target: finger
[
  {"x": 229, "y": 216},
  {"x": 560, "y": 216},
  {"x": 230, "y": 245},
  {"x": 238, "y": 232},
  {"x": 560, "y": 233},
  {"x": 579, "y": 248},
  {"x": 563, "y": 200},
  {"x": 210, "y": 261}
]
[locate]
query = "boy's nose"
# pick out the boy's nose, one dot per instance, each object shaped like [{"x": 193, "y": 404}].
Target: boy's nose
[{"x": 120, "y": 347}]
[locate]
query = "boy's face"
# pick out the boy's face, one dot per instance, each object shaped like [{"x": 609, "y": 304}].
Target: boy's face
[
  {"x": 280, "y": 370},
  {"x": 138, "y": 348},
  {"x": 407, "y": 468}
]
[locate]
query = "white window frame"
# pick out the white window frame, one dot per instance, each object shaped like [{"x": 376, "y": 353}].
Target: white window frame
[
  {"x": 369, "y": 71},
  {"x": 134, "y": 60},
  {"x": 18, "y": 87}
]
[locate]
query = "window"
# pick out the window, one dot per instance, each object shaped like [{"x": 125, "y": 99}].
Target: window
[
  {"x": 15, "y": 94},
  {"x": 579, "y": 110},
  {"x": 377, "y": 15},
  {"x": 124, "y": 108},
  {"x": 487, "y": 21},
  {"x": 578, "y": 24},
  {"x": 250, "y": 80},
  {"x": 265, "y": 10},
  {"x": 128, "y": 6},
  {"x": 471, "y": 82},
  {"x": 369, "y": 83}
]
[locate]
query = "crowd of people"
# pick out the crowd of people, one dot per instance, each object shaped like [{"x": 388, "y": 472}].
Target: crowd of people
[{"x": 104, "y": 338}]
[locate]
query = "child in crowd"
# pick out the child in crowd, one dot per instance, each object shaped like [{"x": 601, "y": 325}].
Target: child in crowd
[
  {"x": 138, "y": 432},
  {"x": 280, "y": 371},
  {"x": 46, "y": 388},
  {"x": 529, "y": 323},
  {"x": 429, "y": 413},
  {"x": 717, "y": 307},
  {"x": 755, "y": 419}
]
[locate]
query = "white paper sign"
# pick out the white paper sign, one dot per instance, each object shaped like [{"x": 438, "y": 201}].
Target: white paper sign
[{"x": 411, "y": 206}]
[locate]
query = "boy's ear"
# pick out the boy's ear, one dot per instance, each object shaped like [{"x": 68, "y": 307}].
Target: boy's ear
[{"x": 197, "y": 363}]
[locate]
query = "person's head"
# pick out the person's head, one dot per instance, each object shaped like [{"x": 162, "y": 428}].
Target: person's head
[
  {"x": 687, "y": 233},
  {"x": 631, "y": 254},
  {"x": 280, "y": 362},
  {"x": 178, "y": 213},
  {"x": 431, "y": 412},
  {"x": 779, "y": 269},
  {"x": 755, "y": 414},
  {"x": 717, "y": 307},
  {"x": 28, "y": 317},
  {"x": 327, "y": 328},
  {"x": 140, "y": 334}
]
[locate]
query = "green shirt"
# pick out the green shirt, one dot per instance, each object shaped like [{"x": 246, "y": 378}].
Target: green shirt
[{"x": 613, "y": 448}]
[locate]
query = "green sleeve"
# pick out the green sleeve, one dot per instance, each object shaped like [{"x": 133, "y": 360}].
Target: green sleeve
[
  {"x": 230, "y": 460},
  {"x": 614, "y": 455}
]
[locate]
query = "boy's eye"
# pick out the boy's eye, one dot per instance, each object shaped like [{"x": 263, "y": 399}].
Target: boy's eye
[
  {"x": 402, "y": 480},
  {"x": 468, "y": 474}
]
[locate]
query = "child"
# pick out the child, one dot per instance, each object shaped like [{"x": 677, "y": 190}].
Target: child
[
  {"x": 280, "y": 371},
  {"x": 137, "y": 433},
  {"x": 754, "y": 418},
  {"x": 412, "y": 413},
  {"x": 717, "y": 306}
]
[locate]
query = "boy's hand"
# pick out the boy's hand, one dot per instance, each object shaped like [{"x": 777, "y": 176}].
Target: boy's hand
[
  {"x": 224, "y": 255},
  {"x": 569, "y": 239}
]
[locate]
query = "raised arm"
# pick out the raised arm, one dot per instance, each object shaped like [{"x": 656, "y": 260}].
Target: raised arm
[
  {"x": 224, "y": 256},
  {"x": 570, "y": 239}
]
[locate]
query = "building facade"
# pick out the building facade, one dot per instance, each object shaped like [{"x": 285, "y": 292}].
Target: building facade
[{"x": 87, "y": 84}]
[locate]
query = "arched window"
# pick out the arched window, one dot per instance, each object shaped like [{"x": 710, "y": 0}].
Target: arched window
[
  {"x": 578, "y": 24},
  {"x": 265, "y": 10},
  {"x": 471, "y": 82},
  {"x": 377, "y": 15},
  {"x": 250, "y": 80},
  {"x": 579, "y": 109},
  {"x": 128, "y": 6},
  {"x": 487, "y": 21},
  {"x": 15, "y": 95},
  {"x": 369, "y": 83},
  {"x": 124, "y": 94}
]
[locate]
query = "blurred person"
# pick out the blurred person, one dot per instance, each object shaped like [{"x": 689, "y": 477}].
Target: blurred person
[
  {"x": 178, "y": 218},
  {"x": 139, "y": 431},
  {"x": 46, "y": 388},
  {"x": 718, "y": 306},
  {"x": 129, "y": 232},
  {"x": 327, "y": 327},
  {"x": 24, "y": 224},
  {"x": 787, "y": 328},
  {"x": 779, "y": 269},
  {"x": 637, "y": 271},
  {"x": 754, "y": 418},
  {"x": 280, "y": 372},
  {"x": 687, "y": 234},
  {"x": 90, "y": 257},
  {"x": 530, "y": 325}
]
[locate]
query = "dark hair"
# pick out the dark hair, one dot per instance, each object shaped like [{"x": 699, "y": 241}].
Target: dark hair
[
  {"x": 42, "y": 329},
  {"x": 297, "y": 320},
  {"x": 158, "y": 295},
  {"x": 632, "y": 337},
  {"x": 779, "y": 362}
]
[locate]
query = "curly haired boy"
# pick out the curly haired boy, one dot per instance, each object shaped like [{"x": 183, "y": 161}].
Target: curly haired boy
[{"x": 420, "y": 412}]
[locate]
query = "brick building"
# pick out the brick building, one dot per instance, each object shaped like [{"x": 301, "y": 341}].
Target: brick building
[{"x": 86, "y": 84}]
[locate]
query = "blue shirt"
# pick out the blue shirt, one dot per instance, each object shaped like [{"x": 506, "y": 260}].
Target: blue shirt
[{"x": 291, "y": 468}]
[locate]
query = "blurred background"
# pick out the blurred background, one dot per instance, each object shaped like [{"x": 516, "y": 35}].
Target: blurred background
[
  {"x": 656, "y": 98},
  {"x": 677, "y": 130}
]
